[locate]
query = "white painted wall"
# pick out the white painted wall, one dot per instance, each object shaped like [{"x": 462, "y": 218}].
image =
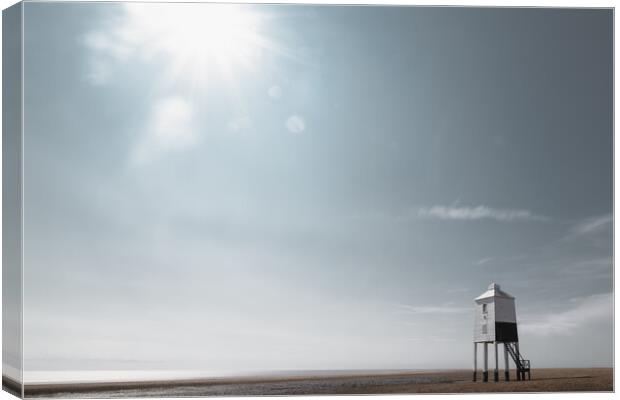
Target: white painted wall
[
  {"x": 482, "y": 319},
  {"x": 505, "y": 310}
]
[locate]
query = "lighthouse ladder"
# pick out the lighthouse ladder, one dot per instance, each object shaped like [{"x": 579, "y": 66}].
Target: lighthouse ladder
[{"x": 523, "y": 365}]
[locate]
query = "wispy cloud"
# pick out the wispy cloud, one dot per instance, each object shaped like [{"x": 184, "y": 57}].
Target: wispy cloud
[
  {"x": 584, "y": 311},
  {"x": 106, "y": 51},
  {"x": 447, "y": 308},
  {"x": 592, "y": 225},
  {"x": 596, "y": 231},
  {"x": 477, "y": 213},
  {"x": 169, "y": 128},
  {"x": 483, "y": 261},
  {"x": 592, "y": 268}
]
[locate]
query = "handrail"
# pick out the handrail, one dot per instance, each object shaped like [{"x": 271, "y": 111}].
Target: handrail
[{"x": 520, "y": 361}]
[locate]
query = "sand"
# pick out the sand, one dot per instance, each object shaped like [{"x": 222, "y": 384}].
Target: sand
[
  {"x": 543, "y": 380},
  {"x": 457, "y": 381}
]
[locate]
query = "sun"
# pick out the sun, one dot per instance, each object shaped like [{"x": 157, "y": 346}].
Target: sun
[{"x": 198, "y": 41}]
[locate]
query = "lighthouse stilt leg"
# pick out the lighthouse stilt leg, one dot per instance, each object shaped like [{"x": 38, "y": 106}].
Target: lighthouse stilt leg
[
  {"x": 496, "y": 371},
  {"x": 475, "y": 360},
  {"x": 517, "y": 352},
  {"x": 485, "y": 370},
  {"x": 506, "y": 364}
]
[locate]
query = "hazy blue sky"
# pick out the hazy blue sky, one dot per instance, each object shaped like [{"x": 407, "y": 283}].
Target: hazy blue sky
[{"x": 229, "y": 188}]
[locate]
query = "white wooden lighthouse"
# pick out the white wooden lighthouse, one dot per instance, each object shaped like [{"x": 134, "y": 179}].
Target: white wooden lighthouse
[{"x": 496, "y": 322}]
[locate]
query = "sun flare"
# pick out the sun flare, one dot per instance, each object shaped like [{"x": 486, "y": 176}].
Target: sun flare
[{"x": 197, "y": 40}]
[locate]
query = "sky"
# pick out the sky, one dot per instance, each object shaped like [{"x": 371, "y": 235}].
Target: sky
[{"x": 283, "y": 187}]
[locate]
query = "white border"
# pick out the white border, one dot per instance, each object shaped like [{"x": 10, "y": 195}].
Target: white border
[{"x": 477, "y": 3}]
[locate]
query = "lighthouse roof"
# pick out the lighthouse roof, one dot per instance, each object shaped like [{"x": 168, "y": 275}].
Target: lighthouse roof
[{"x": 494, "y": 291}]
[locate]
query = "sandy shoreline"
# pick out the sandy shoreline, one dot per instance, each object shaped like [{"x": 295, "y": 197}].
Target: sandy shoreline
[{"x": 453, "y": 381}]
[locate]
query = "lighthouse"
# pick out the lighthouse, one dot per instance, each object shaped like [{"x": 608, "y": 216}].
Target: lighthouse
[{"x": 495, "y": 323}]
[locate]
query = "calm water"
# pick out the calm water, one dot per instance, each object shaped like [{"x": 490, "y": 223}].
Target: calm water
[{"x": 315, "y": 386}]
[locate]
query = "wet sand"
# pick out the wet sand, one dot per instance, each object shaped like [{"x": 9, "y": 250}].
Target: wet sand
[{"x": 456, "y": 381}]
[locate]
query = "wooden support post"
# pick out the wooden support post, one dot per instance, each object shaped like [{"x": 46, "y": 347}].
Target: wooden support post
[
  {"x": 485, "y": 370},
  {"x": 506, "y": 363},
  {"x": 496, "y": 371},
  {"x": 520, "y": 376},
  {"x": 475, "y": 360}
]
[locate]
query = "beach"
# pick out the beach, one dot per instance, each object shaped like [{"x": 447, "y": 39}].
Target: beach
[{"x": 452, "y": 381}]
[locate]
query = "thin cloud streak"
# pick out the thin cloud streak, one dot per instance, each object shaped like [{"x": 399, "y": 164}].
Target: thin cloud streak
[
  {"x": 586, "y": 311},
  {"x": 592, "y": 225},
  {"x": 594, "y": 230},
  {"x": 484, "y": 261},
  {"x": 594, "y": 268},
  {"x": 478, "y": 213},
  {"x": 441, "y": 309}
]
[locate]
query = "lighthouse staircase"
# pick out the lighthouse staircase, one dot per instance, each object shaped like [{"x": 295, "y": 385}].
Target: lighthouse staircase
[{"x": 523, "y": 365}]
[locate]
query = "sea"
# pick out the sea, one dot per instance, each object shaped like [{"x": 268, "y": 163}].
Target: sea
[{"x": 272, "y": 383}]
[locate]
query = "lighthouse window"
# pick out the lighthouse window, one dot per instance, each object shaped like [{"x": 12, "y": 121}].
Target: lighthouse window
[
  {"x": 484, "y": 308},
  {"x": 484, "y": 329}
]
